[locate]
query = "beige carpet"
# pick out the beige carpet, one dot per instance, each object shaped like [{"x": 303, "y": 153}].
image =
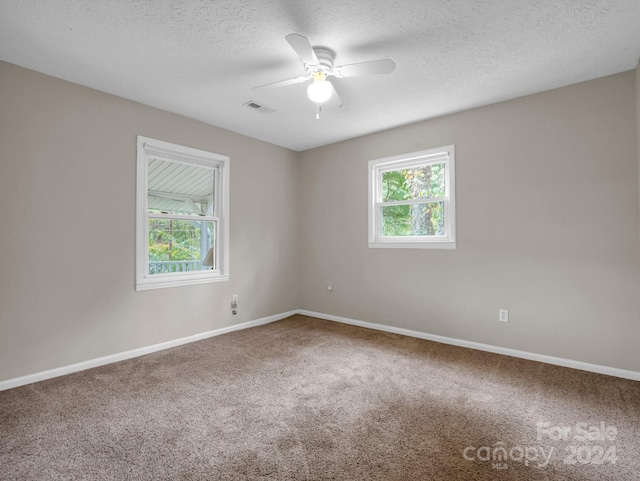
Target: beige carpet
[{"x": 307, "y": 399}]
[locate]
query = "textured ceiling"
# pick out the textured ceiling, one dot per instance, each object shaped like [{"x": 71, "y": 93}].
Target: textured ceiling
[{"x": 201, "y": 58}]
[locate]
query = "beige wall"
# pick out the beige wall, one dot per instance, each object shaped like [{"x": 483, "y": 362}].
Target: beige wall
[
  {"x": 67, "y": 210},
  {"x": 547, "y": 227},
  {"x": 547, "y": 224},
  {"x": 638, "y": 119}
]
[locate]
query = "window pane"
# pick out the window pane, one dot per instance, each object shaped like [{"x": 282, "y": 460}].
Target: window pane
[
  {"x": 177, "y": 188},
  {"x": 424, "y": 219},
  {"x": 179, "y": 245},
  {"x": 415, "y": 183}
]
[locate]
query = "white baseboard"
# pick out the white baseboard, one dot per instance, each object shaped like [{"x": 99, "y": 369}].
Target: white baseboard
[
  {"x": 101, "y": 361},
  {"x": 558, "y": 361}
]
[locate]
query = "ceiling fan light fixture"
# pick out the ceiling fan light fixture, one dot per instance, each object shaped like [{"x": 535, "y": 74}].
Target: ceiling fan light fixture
[{"x": 321, "y": 89}]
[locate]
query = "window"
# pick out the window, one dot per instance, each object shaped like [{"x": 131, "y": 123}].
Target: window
[
  {"x": 182, "y": 216},
  {"x": 411, "y": 200}
]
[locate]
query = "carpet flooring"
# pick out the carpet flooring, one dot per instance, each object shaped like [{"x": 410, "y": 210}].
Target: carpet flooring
[{"x": 308, "y": 399}]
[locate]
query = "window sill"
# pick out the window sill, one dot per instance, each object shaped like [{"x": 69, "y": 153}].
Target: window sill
[
  {"x": 160, "y": 283},
  {"x": 412, "y": 245}
]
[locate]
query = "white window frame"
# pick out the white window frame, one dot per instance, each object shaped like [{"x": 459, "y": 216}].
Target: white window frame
[
  {"x": 156, "y": 149},
  {"x": 377, "y": 167}
]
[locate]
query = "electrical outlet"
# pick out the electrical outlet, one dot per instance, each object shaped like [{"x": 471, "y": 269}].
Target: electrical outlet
[
  {"x": 234, "y": 302},
  {"x": 503, "y": 315},
  {"x": 329, "y": 288}
]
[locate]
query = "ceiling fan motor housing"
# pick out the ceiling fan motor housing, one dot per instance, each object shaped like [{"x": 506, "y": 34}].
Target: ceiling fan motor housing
[{"x": 325, "y": 58}]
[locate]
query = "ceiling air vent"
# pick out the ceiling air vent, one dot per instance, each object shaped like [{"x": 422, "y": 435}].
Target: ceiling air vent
[{"x": 253, "y": 105}]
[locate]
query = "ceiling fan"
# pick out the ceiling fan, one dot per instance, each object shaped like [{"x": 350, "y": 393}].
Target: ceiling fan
[{"x": 318, "y": 63}]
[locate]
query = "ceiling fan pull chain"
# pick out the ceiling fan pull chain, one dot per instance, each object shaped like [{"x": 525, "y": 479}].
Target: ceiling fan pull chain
[{"x": 318, "y": 108}]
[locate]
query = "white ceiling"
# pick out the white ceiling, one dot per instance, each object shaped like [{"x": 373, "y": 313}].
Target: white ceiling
[{"x": 201, "y": 58}]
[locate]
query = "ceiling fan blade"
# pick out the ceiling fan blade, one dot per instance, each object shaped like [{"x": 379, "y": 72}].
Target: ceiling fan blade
[
  {"x": 283, "y": 83},
  {"x": 303, "y": 48},
  {"x": 373, "y": 67},
  {"x": 335, "y": 95}
]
